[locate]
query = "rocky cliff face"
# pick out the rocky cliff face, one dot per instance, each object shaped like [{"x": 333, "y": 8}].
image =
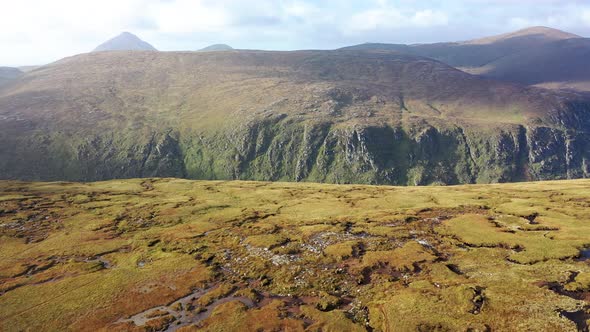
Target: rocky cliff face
[
  {"x": 330, "y": 117},
  {"x": 282, "y": 149},
  {"x": 393, "y": 155}
]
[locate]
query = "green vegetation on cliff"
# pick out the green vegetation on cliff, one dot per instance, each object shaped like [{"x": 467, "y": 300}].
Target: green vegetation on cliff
[{"x": 322, "y": 116}]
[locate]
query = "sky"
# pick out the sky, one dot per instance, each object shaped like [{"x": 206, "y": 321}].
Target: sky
[{"x": 34, "y": 32}]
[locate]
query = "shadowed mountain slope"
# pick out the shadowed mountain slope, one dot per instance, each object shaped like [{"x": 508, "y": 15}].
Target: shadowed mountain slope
[
  {"x": 125, "y": 42},
  {"x": 478, "y": 52},
  {"x": 561, "y": 64},
  {"x": 328, "y": 116},
  {"x": 534, "y": 35},
  {"x": 537, "y": 55},
  {"x": 8, "y": 74}
]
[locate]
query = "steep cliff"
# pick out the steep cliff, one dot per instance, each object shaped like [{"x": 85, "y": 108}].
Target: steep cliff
[{"x": 338, "y": 117}]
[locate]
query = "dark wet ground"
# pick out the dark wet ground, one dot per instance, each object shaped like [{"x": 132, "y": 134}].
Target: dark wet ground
[{"x": 579, "y": 317}]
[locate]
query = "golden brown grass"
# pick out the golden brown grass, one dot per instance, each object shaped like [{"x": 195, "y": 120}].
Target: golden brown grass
[{"x": 307, "y": 256}]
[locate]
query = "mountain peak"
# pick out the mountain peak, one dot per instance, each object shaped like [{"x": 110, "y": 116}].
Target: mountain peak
[
  {"x": 216, "y": 47},
  {"x": 531, "y": 32},
  {"x": 126, "y": 41},
  {"x": 546, "y": 32}
]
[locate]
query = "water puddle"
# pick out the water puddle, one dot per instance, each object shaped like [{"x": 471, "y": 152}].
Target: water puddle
[
  {"x": 104, "y": 262},
  {"x": 181, "y": 310},
  {"x": 584, "y": 255},
  {"x": 560, "y": 289},
  {"x": 578, "y": 317}
]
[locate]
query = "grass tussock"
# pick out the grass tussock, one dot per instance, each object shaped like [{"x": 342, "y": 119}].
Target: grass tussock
[{"x": 218, "y": 256}]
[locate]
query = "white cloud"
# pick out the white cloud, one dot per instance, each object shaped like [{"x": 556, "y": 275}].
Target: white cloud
[
  {"x": 374, "y": 19},
  {"x": 40, "y": 31},
  {"x": 567, "y": 17},
  {"x": 34, "y": 31},
  {"x": 188, "y": 16},
  {"x": 387, "y": 17},
  {"x": 429, "y": 18},
  {"x": 520, "y": 22},
  {"x": 76, "y": 17},
  {"x": 300, "y": 9}
]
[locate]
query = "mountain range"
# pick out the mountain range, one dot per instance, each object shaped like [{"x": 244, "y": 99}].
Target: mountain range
[
  {"x": 361, "y": 115},
  {"x": 127, "y": 41},
  {"x": 537, "y": 56}
]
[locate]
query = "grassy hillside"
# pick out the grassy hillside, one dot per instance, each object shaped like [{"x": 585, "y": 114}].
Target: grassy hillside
[
  {"x": 229, "y": 256},
  {"x": 323, "y": 116}
]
